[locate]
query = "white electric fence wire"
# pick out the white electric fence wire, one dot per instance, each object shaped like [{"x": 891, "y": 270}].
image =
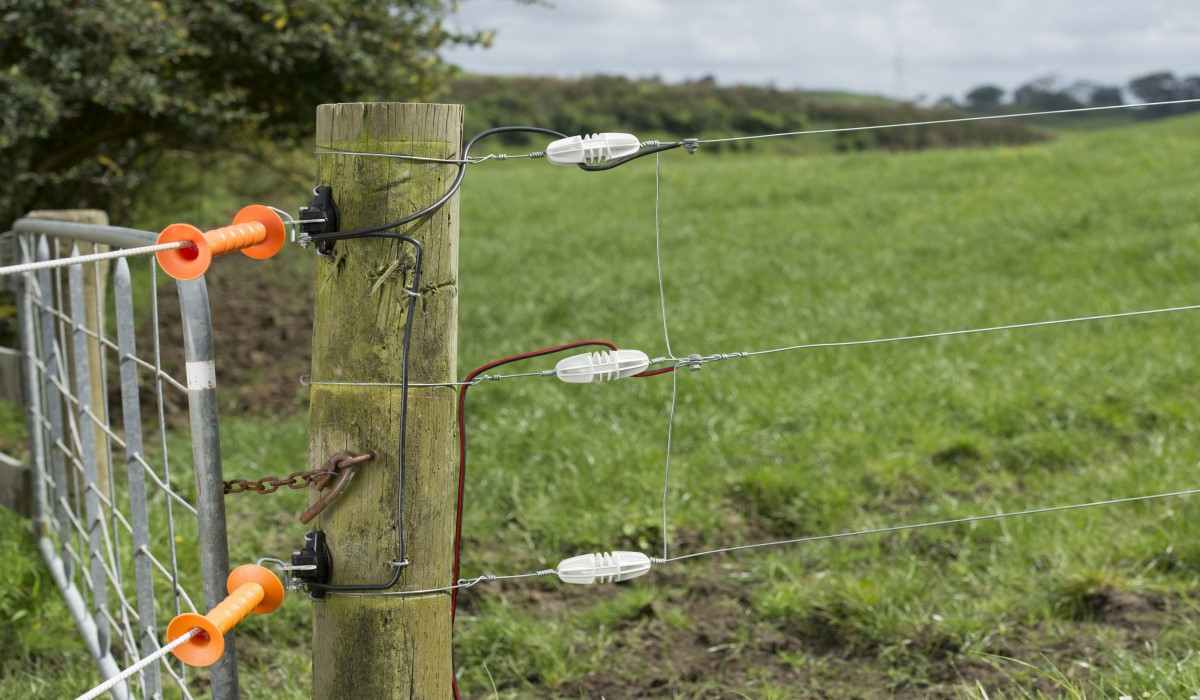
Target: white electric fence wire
[
  {"x": 462, "y": 584},
  {"x": 662, "y": 294},
  {"x": 954, "y": 120},
  {"x": 666, "y": 489},
  {"x": 931, "y": 524},
  {"x": 142, "y": 663},
  {"x": 92, "y": 257},
  {"x": 693, "y": 361},
  {"x": 306, "y": 381},
  {"x": 473, "y": 160}
]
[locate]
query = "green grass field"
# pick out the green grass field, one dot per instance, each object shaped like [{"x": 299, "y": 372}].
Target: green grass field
[{"x": 767, "y": 251}]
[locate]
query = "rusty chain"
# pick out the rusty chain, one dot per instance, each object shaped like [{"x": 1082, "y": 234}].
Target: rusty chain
[
  {"x": 298, "y": 480},
  {"x": 271, "y": 484}
]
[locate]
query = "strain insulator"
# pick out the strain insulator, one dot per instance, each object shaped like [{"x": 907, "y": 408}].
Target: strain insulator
[
  {"x": 595, "y": 149},
  {"x": 604, "y": 366},
  {"x": 603, "y": 567}
]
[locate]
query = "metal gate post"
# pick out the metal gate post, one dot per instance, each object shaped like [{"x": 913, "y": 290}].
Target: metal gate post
[{"x": 206, "y": 456}]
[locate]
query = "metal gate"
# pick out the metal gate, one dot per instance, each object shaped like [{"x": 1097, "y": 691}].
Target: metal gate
[{"x": 132, "y": 533}]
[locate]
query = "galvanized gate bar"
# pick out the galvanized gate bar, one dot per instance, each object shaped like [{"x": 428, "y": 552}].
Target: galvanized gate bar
[
  {"x": 206, "y": 455},
  {"x": 131, "y": 414},
  {"x": 53, "y": 401},
  {"x": 87, "y": 450},
  {"x": 115, "y": 236}
]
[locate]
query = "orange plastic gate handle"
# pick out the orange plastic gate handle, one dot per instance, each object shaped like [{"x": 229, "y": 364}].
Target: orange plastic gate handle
[
  {"x": 252, "y": 588},
  {"x": 256, "y": 230}
]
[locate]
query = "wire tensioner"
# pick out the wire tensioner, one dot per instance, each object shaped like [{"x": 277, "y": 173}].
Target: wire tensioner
[{"x": 256, "y": 230}]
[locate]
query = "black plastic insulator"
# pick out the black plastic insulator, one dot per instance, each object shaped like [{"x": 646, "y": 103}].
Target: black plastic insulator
[
  {"x": 315, "y": 552},
  {"x": 321, "y": 207}
]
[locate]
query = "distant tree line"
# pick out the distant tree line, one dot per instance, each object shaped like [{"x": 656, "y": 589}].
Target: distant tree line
[
  {"x": 1047, "y": 93},
  {"x": 652, "y": 108}
]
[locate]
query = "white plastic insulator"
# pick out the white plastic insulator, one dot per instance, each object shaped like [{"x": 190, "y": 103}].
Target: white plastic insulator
[
  {"x": 593, "y": 367},
  {"x": 603, "y": 567},
  {"x": 592, "y": 150}
]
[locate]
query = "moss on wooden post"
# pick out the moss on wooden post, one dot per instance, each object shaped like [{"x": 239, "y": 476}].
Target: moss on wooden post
[{"x": 386, "y": 647}]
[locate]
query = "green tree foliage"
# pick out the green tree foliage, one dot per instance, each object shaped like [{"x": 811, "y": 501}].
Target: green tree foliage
[
  {"x": 654, "y": 109},
  {"x": 1044, "y": 94},
  {"x": 1164, "y": 86},
  {"x": 1106, "y": 96},
  {"x": 985, "y": 98},
  {"x": 91, "y": 93}
]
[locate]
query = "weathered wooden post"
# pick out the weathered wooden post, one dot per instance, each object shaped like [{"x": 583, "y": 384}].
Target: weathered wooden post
[{"x": 376, "y": 646}]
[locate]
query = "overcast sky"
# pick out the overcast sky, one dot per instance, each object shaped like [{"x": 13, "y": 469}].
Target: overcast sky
[{"x": 902, "y": 48}]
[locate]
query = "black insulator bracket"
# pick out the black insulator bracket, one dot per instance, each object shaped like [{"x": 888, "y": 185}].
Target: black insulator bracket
[
  {"x": 313, "y": 563},
  {"x": 320, "y": 216}
]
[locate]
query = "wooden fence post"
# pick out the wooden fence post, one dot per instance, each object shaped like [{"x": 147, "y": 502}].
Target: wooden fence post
[{"x": 376, "y": 646}]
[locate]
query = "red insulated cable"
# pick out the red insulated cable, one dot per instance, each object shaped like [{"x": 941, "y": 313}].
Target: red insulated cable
[
  {"x": 654, "y": 372},
  {"x": 462, "y": 438},
  {"x": 462, "y": 444}
]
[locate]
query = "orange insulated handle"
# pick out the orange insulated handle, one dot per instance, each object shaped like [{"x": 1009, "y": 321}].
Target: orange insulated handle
[
  {"x": 252, "y": 588},
  {"x": 256, "y": 230},
  {"x": 235, "y": 237}
]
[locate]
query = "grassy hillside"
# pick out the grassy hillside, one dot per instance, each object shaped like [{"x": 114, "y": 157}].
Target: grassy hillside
[{"x": 765, "y": 251}]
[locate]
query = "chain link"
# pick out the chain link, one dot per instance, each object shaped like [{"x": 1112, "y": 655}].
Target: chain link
[
  {"x": 271, "y": 484},
  {"x": 301, "y": 480}
]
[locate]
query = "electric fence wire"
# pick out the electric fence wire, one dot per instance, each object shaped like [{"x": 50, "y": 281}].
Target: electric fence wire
[
  {"x": 461, "y": 584},
  {"x": 320, "y": 150},
  {"x": 92, "y": 257},
  {"x": 662, "y": 305},
  {"x": 658, "y": 256},
  {"x": 698, "y": 360},
  {"x": 305, "y": 380},
  {"x": 666, "y": 489},
  {"x": 149, "y": 659},
  {"x": 930, "y": 524},
  {"x": 952, "y": 120}
]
